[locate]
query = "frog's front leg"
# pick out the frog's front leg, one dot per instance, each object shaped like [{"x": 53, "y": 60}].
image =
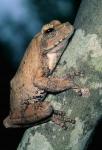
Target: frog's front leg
[{"x": 51, "y": 84}]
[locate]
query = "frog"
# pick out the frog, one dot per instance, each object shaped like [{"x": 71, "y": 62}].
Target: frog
[{"x": 34, "y": 79}]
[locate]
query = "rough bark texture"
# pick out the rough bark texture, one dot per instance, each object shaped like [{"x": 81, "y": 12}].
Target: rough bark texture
[{"x": 84, "y": 53}]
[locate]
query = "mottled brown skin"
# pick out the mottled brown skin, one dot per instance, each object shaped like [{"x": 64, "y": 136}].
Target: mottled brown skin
[{"x": 33, "y": 79}]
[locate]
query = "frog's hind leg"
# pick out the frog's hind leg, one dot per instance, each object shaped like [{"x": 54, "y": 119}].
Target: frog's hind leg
[
  {"x": 30, "y": 115},
  {"x": 60, "y": 118},
  {"x": 34, "y": 113}
]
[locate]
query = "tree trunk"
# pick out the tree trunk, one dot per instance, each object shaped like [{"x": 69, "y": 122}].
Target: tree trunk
[{"x": 83, "y": 53}]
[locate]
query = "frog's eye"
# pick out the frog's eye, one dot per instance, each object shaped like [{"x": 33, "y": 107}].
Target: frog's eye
[{"x": 49, "y": 30}]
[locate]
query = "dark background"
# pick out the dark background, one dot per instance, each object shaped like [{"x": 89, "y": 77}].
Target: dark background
[{"x": 20, "y": 20}]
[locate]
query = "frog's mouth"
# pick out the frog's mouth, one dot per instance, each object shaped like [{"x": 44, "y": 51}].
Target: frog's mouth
[{"x": 59, "y": 46}]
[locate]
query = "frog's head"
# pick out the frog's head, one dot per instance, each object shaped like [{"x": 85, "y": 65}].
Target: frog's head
[{"x": 55, "y": 35}]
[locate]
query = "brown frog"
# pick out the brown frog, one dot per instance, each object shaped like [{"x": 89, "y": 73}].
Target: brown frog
[{"x": 33, "y": 79}]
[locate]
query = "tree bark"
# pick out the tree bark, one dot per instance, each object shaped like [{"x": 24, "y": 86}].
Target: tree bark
[{"x": 83, "y": 53}]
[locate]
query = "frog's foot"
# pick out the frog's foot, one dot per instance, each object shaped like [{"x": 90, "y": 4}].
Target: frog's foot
[
  {"x": 77, "y": 89},
  {"x": 85, "y": 92},
  {"x": 60, "y": 118},
  {"x": 7, "y": 122}
]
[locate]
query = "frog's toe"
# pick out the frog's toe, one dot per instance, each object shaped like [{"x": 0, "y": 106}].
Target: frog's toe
[{"x": 7, "y": 122}]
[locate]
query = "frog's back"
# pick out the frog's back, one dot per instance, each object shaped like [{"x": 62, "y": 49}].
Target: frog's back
[{"x": 22, "y": 86}]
